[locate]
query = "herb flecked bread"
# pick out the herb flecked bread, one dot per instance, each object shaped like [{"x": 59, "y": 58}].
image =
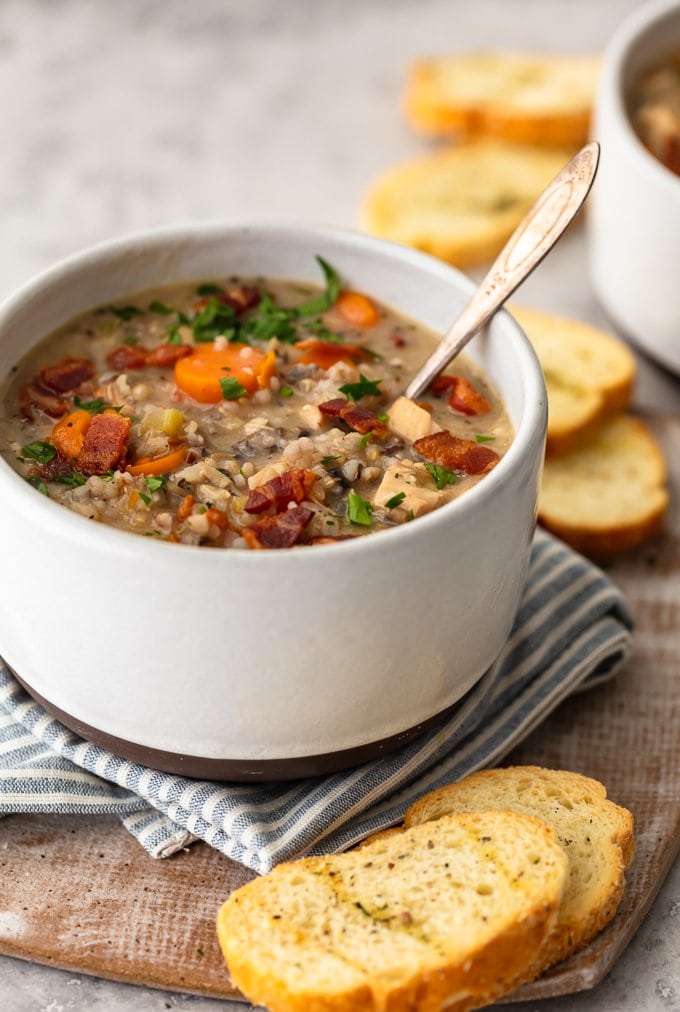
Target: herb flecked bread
[
  {"x": 589, "y": 375},
  {"x": 526, "y": 97},
  {"x": 460, "y": 203},
  {"x": 608, "y": 495},
  {"x": 441, "y": 915},
  {"x": 596, "y": 834}
]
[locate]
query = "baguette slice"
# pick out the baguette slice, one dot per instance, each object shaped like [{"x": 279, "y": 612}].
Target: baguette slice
[
  {"x": 609, "y": 495},
  {"x": 460, "y": 203},
  {"x": 589, "y": 375},
  {"x": 525, "y": 97},
  {"x": 595, "y": 833},
  {"x": 438, "y": 915}
]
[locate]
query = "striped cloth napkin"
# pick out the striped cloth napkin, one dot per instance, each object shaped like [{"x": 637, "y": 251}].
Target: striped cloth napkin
[{"x": 572, "y": 631}]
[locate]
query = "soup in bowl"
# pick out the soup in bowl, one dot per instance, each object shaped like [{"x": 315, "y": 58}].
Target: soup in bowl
[{"x": 227, "y": 551}]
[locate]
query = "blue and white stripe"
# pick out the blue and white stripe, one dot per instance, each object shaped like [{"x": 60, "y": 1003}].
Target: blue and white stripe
[{"x": 573, "y": 630}]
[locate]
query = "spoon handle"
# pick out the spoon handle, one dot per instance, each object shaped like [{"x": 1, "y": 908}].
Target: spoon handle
[{"x": 535, "y": 235}]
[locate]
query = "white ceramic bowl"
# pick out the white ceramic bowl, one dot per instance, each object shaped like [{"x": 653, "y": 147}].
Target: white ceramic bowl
[
  {"x": 247, "y": 664},
  {"x": 634, "y": 213}
]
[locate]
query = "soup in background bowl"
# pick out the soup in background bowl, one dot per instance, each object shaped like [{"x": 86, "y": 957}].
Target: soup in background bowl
[{"x": 241, "y": 663}]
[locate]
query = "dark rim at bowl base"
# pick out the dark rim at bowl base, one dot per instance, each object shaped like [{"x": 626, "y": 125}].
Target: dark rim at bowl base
[{"x": 237, "y": 770}]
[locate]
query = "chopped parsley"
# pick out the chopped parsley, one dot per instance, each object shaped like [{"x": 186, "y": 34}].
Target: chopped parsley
[
  {"x": 39, "y": 451},
  {"x": 209, "y": 288},
  {"x": 146, "y": 499},
  {"x": 95, "y": 407},
  {"x": 440, "y": 476},
  {"x": 214, "y": 320},
  {"x": 484, "y": 439},
  {"x": 319, "y": 328},
  {"x": 396, "y": 500},
  {"x": 325, "y": 461},
  {"x": 131, "y": 340},
  {"x": 270, "y": 320},
  {"x": 365, "y": 439},
  {"x": 359, "y": 510},
  {"x": 174, "y": 336},
  {"x": 232, "y": 389},
  {"x": 124, "y": 313},
  {"x": 364, "y": 388},
  {"x": 161, "y": 308},
  {"x": 107, "y": 477},
  {"x": 320, "y": 303},
  {"x": 285, "y": 391},
  {"x": 155, "y": 482},
  {"x": 38, "y": 483},
  {"x": 73, "y": 480}
]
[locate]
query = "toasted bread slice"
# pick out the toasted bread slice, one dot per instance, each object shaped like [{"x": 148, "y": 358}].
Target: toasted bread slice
[
  {"x": 439, "y": 915},
  {"x": 526, "y": 97},
  {"x": 608, "y": 495},
  {"x": 460, "y": 203},
  {"x": 595, "y": 833},
  {"x": 589, "y": 375}
]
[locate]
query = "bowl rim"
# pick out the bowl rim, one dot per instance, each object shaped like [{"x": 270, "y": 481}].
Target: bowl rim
[
  {"x": 617, "y": 53},
  {"x": 529, "y": 437}
]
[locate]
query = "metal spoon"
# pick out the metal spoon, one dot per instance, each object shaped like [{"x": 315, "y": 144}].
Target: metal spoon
[{"x": 536, "y": 234}]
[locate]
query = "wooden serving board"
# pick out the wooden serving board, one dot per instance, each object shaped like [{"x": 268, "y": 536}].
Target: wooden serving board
[{"x": 79, "y": 893}]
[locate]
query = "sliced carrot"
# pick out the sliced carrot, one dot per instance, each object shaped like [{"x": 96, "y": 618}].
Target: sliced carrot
[
  {"x": 267, "y": 369},
  {"x": 68, "y": 435},
  {"x": 199, "y": 374},
  {"x": 185, "y": 507},
  {"x": 159, "y": 465},
  {"x": 357, "y": 309},
  {"x": 327, "y": 353}
]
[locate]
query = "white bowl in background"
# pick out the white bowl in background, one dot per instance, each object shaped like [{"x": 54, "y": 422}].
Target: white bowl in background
[
  {"x": 634, "y": 214},
  {"x": 235, "y": 664}
]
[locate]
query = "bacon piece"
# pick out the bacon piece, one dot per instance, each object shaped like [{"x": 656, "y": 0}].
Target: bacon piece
[
  {"x": 363, "y": 420},
  {"x": 127, "y": 356},
  {"x": 66, "y": 375},
  {"x": 462, "y": 397},
  {"x": 105, "y": 445},
  {"x": 333, "y": 408},
  {"x": 56, "y": 468},
  {"x": 281, "y": 531},
  {"x": 167, "y": 354},
  {"x": 293, "y": 486},
  {"x": 456, "y": 454},
  {"x": 32, "y": 396}
]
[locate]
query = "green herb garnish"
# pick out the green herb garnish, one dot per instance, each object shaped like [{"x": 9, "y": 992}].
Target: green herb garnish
[
  {"x": 39, "y": 451},
  {"x": 161, "y": 308},
  {"x": 325, "y": 461},
  {"x": 124, "y": 312},
  {"x": 107, "y": 477},
  {"x": 146, "y": 499},
  {"x": 174, "y": 336},
  {"x": 441, "y": 476},
  {"x": 285, "y": 391},
  {"x": 359, "y": 510},
  {"x": 209, "y": 288},
  {"x": 155, "y": 482},
  {"x": 96, "y": 406},
  {"x": 364, "y": 388},
  {"x": 365, "y": 439},
  {"x": 38, "y": 483},
  {"x": 320, "y": 303},
  {"x": 270, "y": 320},
  {"x": 131, "y": 340},
  {"x": 396, "y": 500},
  {"x": 73, "y": 480},
  {"x": 319, "y": 328},
  {"x": 484, "y": 439},
  {"x": 216, "y": 319},
  {"x": 232, "y": 389}
]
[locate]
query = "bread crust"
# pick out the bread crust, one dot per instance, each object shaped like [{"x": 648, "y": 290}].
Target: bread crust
[
  {"x": 552, "y": 795},
  {"x": 525, "y": 98},
  {"x": 460, "y": 203},
  {"x": 301, "y": 911}
]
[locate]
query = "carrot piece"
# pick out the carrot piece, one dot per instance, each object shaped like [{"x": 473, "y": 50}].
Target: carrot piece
[
  {"x": 356, "y": 309},
  {"x": 68, "y": 435},
  {"x": 326, "y": 353},
  {"x": 199, "y": 374},
  {"x": 185, "y": 507},
  {"x": 267, "y": 369},
  {"x": 217, "y": 517},
  {"x": 159, "y": 465}
]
